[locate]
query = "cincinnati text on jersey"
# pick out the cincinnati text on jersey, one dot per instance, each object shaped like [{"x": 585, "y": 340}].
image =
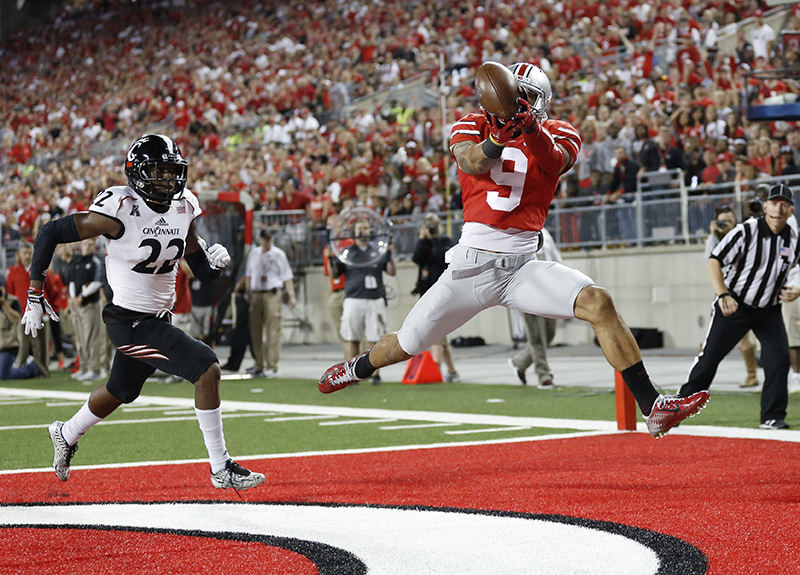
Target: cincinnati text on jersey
[{"x": 161, "y": 231}]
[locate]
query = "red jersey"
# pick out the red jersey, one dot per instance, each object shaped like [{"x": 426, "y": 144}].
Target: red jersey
[
  {"x": 516, "y": 193},
  {"x": 183, "y": 294}
]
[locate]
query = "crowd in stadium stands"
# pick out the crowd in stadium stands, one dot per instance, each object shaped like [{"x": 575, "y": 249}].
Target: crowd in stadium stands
[{"x": 254, "y": 92}]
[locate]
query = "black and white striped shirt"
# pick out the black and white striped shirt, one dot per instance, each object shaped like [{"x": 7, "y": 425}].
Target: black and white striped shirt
[{"x": 755, "y": 262}]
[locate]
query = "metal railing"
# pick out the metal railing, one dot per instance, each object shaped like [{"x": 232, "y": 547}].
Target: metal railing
[{"x": 664, "y": 210}]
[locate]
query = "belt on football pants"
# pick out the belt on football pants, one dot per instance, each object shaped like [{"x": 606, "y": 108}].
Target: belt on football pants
[{"x": 492, "y": 261}]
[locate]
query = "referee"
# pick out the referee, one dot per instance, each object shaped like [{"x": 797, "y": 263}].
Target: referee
[{"x": 756, "y": 257}]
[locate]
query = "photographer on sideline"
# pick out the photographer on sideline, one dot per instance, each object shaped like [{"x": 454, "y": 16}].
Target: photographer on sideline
[
  {"x": 9, "y": 339},
  {"x": 721, "y": 225},
  {"x": 429, "y": 256}
]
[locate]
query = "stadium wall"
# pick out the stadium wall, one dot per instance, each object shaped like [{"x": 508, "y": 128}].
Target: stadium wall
[{"x": 666, "y": 288}]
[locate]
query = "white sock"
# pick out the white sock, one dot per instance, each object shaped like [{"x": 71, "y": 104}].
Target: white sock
[
  {"x": 210, "y": 421},
  {"x": 79, "y": 424}
]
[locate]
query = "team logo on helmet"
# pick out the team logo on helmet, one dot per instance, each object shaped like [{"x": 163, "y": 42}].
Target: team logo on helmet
[{"x": 156, "y": 169}]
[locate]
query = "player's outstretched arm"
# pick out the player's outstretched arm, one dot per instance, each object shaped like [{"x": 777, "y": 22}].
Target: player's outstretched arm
[
  {"x": 65, "y": 230},
  {"x": 70, "y": 228}
]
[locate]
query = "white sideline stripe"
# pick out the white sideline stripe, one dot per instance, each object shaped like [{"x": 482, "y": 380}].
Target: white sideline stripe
[
  {"x": 134, "y": 409},
  {"x": 63, "y": 403},
  {"x": 416, "y": 426},
  {"x": 790, "y": 435},
  {"x": 324, "y": 453},
  {"x": 356, "y": 421},
  {"x": 300, "y": 417},
  {"x": 127, "y": 421},
  {"x": 179, "y": 412},
  {"x": 489, "y": 430},
  {"x": 20, "y": 402}
]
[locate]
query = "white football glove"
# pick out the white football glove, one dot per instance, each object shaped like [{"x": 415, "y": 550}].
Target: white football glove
[
  {"x": 37, "y": 306},
  {"x": 218, "y": 256}
]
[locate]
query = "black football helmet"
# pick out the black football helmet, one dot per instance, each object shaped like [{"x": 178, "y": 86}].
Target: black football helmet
[{"x": 156, "y": 169}]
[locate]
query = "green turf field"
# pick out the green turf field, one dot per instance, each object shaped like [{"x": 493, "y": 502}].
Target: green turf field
[{"x": 155, "y": 432}]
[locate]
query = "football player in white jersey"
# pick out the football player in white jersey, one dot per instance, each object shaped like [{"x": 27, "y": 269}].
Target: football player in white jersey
[
  {"x": 509, "y": 172},
  {"x": 148, "y": 226}
]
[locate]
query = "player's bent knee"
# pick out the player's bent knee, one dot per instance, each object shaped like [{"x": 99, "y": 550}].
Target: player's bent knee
[
  {"x": 210, "y": 376},
  {"x": 594, "y": 303},
  {"x": 125, "y": 395}
]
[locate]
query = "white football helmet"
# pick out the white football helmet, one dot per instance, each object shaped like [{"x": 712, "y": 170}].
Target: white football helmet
[{"x": 536, "y": 86}]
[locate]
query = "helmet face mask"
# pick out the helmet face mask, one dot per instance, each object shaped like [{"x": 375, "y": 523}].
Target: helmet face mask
[
  {"x": 156, "y": 169},
  {"x": 535, "y": 88}
]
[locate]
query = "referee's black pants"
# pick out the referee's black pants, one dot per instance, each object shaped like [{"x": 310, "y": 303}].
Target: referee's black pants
[{"x": 723, "y": 335}]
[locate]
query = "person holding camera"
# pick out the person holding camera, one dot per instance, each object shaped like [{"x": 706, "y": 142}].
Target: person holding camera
[
  {"x": 364, "y": 306},
  {"x": 429, "y": 256},
  {"x": 9, "y": 339},
  {"x": 748, "y": 269},
  {"x": 721, "y": 225}
]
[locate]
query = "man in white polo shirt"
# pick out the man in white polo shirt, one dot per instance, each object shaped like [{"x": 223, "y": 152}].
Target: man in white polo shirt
[{"x": 268, "y": 273}]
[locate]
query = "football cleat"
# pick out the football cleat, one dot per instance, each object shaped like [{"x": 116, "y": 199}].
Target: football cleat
[
  {"x": 669, "y": 410},
  {"x": 236, "y": 476},
  {"x": 63, "y": 452},
  {"x": 340, "y": 375}
]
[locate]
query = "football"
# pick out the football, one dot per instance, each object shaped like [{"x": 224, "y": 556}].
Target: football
[{"x": 497, "y": 90}]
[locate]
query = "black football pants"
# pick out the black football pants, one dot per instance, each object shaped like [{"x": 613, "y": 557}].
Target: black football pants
[{"x": 723, "y": 335}]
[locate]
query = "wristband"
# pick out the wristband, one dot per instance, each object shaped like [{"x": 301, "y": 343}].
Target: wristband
[
  {"x": 722, "y": 295},
  {"x": 492, "y": 149},
  {"x": 533, "y": 128}
]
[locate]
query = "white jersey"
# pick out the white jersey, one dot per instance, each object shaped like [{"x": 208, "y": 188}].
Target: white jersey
[{"x": 141, "y": 264}]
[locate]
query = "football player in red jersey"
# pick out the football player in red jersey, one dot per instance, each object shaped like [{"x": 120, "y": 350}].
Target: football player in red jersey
[{"x": 508, "y": 173}]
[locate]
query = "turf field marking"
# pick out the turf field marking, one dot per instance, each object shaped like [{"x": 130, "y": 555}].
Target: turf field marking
[
  {"x": 384, "y": 449},
  {"x": 355, "y": 421},
  {"x": 19, "y": 402},
  {"x": 136, "y": 408},
  {"x": 64, "y": 403},
  {"x": 489, "y": 430},
  {"x": 601, "y": 426},
  {"x": 143, "y": 420},
  {"x": 299, "y": 418},
  {"x": 416, "y": 426}
]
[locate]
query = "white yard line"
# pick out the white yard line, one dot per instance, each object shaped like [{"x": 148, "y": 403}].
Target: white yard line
[
  {"x": 416, "y": 426},
  {"x": 320, "y": 453},
  {"x": 423, "y": 416},
  {"x": 489, "y": 430},
  {"x": 130, "y": 421},
  {"x": 355, "y": 421},
  {"x": 299, "y": 417}
]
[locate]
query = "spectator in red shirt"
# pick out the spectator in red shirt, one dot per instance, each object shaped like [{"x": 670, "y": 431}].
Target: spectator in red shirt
[
  {"x": 183, "y": 298},
  {"x": 17, "y": 282},
  {"x": 291, "y": 198}
]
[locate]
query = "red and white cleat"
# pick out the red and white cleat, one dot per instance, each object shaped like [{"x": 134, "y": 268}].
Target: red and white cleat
[
  {"x": 339, "y": 376},
  {"x": 669, "y": 410}
]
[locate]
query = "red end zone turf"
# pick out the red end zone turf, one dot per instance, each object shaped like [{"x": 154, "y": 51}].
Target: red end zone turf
[{"x": 736, "y": 500}]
